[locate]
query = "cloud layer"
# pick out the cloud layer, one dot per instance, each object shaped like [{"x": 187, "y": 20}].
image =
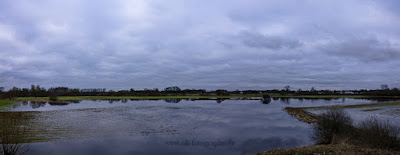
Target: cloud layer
[{"x": 227, "y": 44}]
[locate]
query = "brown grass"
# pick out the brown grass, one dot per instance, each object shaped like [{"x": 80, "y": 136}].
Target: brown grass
[{"x": 302, "y": 115}]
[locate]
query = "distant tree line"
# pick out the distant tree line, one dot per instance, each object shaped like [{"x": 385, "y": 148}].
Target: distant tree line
[{"x": 37, "y": 91}]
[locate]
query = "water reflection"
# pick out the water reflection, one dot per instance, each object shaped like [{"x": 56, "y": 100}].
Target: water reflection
[
  {"x": 153, "y": 127},
  {"x": 172, "y": 100},
  {"x": 266, "y": 100},
  {"x": 148, "y": 124},
  {"x": 37, "y": 104},
  {"x": 268, "y": 144},
  {"x": 285, "y": 100},
  {"x": 63, "y": 105},
  {"x": 219, "y": 100},
  {"x": 54, "y": 103}
]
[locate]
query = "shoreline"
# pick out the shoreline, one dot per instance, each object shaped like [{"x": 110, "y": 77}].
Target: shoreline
[{"x": 70, "y": 98}]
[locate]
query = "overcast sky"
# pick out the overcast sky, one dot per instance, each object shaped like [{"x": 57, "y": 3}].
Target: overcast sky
[{"x": 230, "y": 44}]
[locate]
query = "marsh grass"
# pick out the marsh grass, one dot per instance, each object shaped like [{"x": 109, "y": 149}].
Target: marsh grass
[
  {"x": 335, "y": 127},
  {"x": 332, "y": 126},
  {"x": 6, "y": 103},
  {"x": 13, "y": 132},
  {"x": 53, "y": 98},
  {"x": 378, "y": 133},
  {"x": 374, "y": 109},
  {"x": 354, "y": 106}
]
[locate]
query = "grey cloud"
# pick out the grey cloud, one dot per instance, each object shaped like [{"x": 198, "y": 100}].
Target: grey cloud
[
  {"x": 363, "y": 49},
  {"x": 257, "y": 40},
  {"x": 199, "y": 44}
]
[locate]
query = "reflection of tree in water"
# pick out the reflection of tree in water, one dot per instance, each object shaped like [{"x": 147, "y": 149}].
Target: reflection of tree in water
[
  {"x": 13, "y": 133},
  {"x": 25, "y": 103},
  {"x": 113, "y": 100},
  {"x": 219, "y": 100},
  {"x": 75, "y": 101},
  {"x": 37, "y": 104},
  {"x": 173, "y": 100},
  {"x": 58, "y": 103},
  {"x": 266, "y": 100},
  {"x": 285, "y": 100}
]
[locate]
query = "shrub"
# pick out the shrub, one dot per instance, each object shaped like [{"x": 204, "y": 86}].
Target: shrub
[
  {"x": 53, "y": 98},
  {"x": 378, "y": 133},
  {"x": 333, "y": 126},
  {"x": 266, "y": 99}
]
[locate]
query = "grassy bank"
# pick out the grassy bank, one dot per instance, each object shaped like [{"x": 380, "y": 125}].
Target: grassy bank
[
  {"x": 303, "y": 115},
  {"x": 353, "y": 106},
  {"x": 5, "y": 103},
  {"x": 70, "y": 98},
  {"x": 321, "y": 96}
]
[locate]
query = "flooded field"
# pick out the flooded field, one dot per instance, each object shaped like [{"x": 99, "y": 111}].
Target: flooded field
[{"x": 171, "y": 126}]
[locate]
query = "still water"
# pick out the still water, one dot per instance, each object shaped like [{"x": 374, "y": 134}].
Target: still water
[{"x": 172, "y": 126}]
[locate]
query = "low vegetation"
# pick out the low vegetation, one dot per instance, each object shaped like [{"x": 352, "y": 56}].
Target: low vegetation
[
  {"x": 338, "y": 149},
  {"x": 335, "y": 133},
  {"x": 374, "y": 109},
  {"x": 6, "y": 103},
  {"x": 378, "y": 134},
  {"x": 336, "y": 127},
  {"x": 301, "y": 114},
  {"x": 354, "y": 106},
  {"x": 53, "y": 98}
]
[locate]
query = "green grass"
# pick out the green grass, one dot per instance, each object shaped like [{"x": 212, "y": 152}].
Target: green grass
[
  {"x": 354, "y": 106},
  {"x": 321, "y": 96},
  {"x": 374, "y": 109},
  {"x": 6, "y": 103},
  {"x": 69, "y": 98}
]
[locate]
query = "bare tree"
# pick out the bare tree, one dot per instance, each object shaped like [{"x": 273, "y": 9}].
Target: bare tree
[{"x": 287, "y": 88}]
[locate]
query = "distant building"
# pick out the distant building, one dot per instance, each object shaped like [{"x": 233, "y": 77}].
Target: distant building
[{"x": 348, "y": 92}]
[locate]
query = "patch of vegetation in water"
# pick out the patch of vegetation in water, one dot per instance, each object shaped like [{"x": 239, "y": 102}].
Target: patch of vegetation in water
[
  {"x": 354, "y": 106},
  {"x": 374, "y": 109},
  {"x": 301, "y": 114},
  {"x": 6, "y": 103}
]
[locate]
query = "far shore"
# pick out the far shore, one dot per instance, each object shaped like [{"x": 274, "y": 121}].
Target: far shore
[{"x": 70, "y": 98}]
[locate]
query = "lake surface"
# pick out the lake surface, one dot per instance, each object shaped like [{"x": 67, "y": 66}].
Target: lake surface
[{"x": 172, "y": 126}]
